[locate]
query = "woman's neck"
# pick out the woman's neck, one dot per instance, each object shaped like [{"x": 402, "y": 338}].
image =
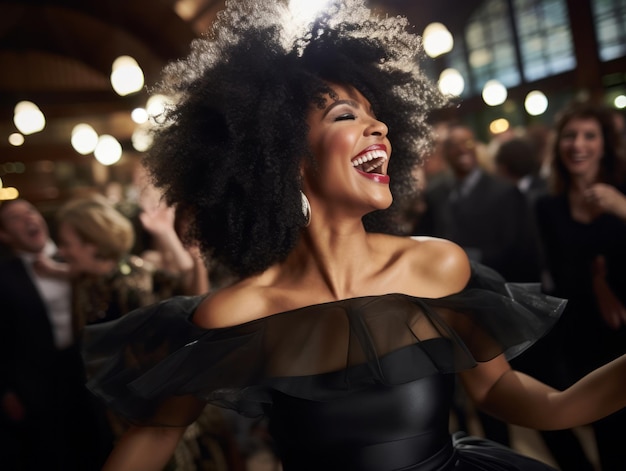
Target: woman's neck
[
  {"x": 580, "y": 208},
  {"x": 580, "y": 183},
  {"x": 103, "y": 267},
  {"x": 338, "y": 259}
]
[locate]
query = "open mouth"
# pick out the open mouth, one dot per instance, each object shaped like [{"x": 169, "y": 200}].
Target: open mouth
[{"x": 371, "y": 162}]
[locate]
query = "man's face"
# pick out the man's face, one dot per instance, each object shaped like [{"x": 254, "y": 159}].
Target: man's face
[
  {"x": 460, "y": 151},
  {"x": 23, "y": 228}
]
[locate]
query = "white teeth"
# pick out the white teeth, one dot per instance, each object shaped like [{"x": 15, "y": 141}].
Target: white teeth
[{"x": 371, "y": 155}]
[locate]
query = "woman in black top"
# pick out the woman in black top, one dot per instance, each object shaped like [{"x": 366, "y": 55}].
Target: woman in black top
[
  {"x": 345, "y": 337},
  {"x": 583, "y": 227}
]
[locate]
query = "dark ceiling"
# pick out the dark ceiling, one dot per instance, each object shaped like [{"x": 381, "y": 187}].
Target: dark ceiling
[{"x": 58, "y": 53}]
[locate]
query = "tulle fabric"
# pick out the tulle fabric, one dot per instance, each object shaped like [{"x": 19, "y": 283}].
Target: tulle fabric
[
  {"x": 150, "y": 364},
  {"x": 480, "y": 454}
]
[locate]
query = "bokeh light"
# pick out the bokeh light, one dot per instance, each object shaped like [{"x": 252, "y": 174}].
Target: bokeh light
[{"x": 536, "y": 103}]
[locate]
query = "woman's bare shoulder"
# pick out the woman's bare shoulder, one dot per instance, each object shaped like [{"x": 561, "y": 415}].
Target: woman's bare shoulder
[
  {"x": 443, "y": 259},
  {"x": 233, "y": 305},
  {"x": 439, "y": 267}
]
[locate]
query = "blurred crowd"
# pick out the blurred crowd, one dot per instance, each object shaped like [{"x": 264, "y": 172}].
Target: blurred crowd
[
  {"x": 110, "y": 253},
  {"x": 543, "y": 205},
  {"x": 539, "y": 204}
]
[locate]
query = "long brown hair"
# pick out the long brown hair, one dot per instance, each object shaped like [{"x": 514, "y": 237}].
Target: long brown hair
[{"x": 612, "y": 164}]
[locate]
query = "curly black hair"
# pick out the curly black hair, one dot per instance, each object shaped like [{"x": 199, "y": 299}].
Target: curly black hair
[{"x": 231, "y": 147}]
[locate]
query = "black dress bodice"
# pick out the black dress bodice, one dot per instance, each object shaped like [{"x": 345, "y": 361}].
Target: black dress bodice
[
  {"x": 359, "y": 384},
  {"x": 375, "y": 429}
]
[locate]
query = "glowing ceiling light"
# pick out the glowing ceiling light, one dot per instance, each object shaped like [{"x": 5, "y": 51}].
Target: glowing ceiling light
[
  {"x": 141, "y": 139},
  {"x": 451, "y": 82},
  {"x": 620, "y": 101},
  {"x": 126, "y": 76},
  {"x": 108, "y": 151},
  {"x": 304, "y": 11},
  {"x": 499, "y": 125},
  {"x": 156, "y": 106},
  {"x": 84, "y": 139},
  {"x": 28, "y": 118},
  {"x": 494, "y": 93},
  {"x": 437, "y": 39},
  {"x": 16, "y": 139},
  {"x": 9, "y": 193},
  {"x": 536, "y": 103},
  {"x": 139, "y": 115}
]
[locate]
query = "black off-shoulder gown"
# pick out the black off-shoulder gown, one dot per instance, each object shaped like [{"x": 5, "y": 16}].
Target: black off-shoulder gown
[{"x": 360, "y": 384}]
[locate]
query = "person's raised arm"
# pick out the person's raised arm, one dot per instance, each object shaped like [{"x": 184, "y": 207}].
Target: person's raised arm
[
  {"x": 159, "y": 221},
  {"x": 144, "y": 449},
  {"x": 149, "y": 448},
  {"x": 522, "y": 400},
  {"x": 612, "y": 310}
]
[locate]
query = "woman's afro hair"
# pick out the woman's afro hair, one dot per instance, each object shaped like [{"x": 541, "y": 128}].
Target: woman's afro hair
[{"x": 230, "y": 147}]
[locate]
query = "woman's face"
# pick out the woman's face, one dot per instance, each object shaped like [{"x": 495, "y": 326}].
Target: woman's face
[
  {"x": 79, "y": 255},
  {"x": 581, "y": 146},
  {"x": 351, "y": 152}
]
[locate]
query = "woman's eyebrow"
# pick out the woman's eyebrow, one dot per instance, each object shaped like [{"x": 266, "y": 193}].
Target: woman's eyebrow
[{"x": 351, "y": 103}]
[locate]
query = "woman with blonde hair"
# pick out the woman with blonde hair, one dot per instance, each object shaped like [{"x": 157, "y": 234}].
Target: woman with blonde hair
[{"x": 95, "y": 240}]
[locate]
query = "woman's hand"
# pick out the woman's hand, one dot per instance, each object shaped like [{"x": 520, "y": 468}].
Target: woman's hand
[
  {"x": 607, "y": 199},
  {"x": 158, "y": 220},
  {"x": 47, "y": 267}
]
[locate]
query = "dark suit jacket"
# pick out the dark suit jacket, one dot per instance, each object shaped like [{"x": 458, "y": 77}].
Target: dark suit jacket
[
  {"x": 29, "y": 361},
  {"x": 493, "y": 223}
]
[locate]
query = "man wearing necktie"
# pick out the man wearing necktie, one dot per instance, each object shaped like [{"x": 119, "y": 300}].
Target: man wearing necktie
[{"x": 46, "y": 418}]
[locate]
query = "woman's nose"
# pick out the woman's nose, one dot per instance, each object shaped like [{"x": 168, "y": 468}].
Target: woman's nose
[
  {"x": 579, "y": 140},
  {"x": 377, "y": 128}
]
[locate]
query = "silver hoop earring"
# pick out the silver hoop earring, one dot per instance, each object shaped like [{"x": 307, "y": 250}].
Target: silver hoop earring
[{"x": 306, "y": 209}]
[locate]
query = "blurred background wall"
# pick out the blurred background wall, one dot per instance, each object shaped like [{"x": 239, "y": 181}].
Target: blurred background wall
[{"x": 506, "y": 63}]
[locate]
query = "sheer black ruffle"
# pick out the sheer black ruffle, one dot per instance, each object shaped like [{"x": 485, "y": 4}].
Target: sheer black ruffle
[{"x": 318, "y": 352}]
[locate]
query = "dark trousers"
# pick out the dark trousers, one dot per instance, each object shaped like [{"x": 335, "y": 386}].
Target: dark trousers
[{"x": 64, "y": 433}]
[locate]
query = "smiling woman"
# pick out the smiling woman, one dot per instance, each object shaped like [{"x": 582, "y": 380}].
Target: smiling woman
[
  {"x": 95, "y": 240},
  {"x": 583, "y": 228},
  {"x": 277, "y": 74},
  {"x": 350, "y": 148},
  {"x": 346, "y": 338}
]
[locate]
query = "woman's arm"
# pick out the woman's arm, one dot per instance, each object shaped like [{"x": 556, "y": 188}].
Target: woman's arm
[
  {"x": 144, "y": 449},
  {"x": 611, "y": 308},
  {"x": 47, "y": 267},
  {"x": 159, "y": 221},
  {"x": 149, "y": 448},
  {"x": 522, "y": 400},
  {"x": 197, "y": 280}
]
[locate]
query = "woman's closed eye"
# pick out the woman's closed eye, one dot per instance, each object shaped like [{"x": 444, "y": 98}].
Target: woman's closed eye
[{"x": 345, "y": 116}]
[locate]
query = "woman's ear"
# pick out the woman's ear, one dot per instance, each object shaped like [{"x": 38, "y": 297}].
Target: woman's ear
[{"x": 305, "y": 166}]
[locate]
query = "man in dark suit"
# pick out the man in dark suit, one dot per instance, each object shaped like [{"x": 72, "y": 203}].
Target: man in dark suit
[
  {"x": 490, "y": 219},
  {"x": 517, "y": 161},
  {"x": 487, "y": 216},
  {"x": 46, "y": 416}
]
